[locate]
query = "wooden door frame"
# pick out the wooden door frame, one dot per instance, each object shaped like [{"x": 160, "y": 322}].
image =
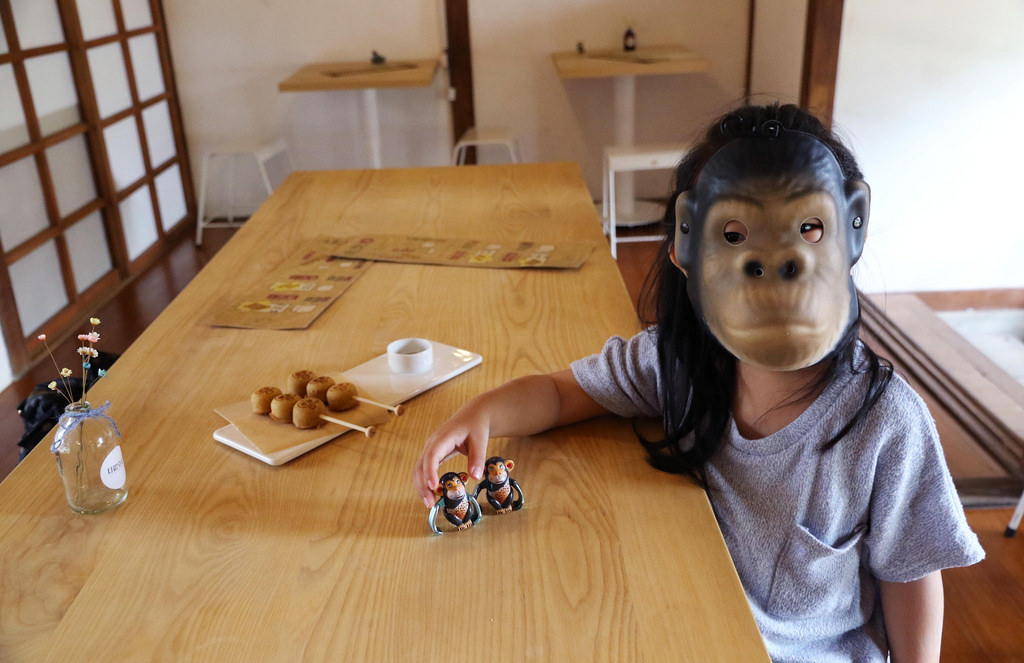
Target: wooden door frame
[{"x": 821, "y": 57}]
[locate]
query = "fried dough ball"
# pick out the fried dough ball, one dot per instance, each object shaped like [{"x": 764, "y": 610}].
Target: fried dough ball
[
  {"x": 342, "y": 396},
  {"x": 317, "y": 387},
  {"x": 306, "y": 413},
  {"x": 298, "y": 380},
  {"x": 281, "y": 407},
  {"x": 261, "y": 399}
]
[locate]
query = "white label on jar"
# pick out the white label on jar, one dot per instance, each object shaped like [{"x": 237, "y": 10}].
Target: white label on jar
[{"x": 112, "y": 471}]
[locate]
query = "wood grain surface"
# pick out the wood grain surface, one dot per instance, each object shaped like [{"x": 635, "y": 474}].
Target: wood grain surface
[
  {"x": 216, "y": 556},
  {"x": 360, "y": 75},
  {"x": 644, "y": 61}
]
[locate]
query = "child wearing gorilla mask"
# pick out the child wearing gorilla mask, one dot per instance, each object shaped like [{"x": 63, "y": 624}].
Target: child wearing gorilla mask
[{"x": 823, "y": 467}]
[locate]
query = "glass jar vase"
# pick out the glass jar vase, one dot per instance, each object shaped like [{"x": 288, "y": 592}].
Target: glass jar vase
[{"x": 88, "y": 451}]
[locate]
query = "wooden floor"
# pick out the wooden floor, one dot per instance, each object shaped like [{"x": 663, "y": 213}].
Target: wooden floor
[{"x": 984, "y": 603}]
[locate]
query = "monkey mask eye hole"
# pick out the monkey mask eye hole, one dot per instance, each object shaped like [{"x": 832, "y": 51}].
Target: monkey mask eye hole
[
  {"x": 735, "y": 232},
  {"x": 812, "y": 230}
]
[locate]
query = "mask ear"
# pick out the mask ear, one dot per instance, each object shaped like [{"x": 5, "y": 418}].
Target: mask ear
[
  {"x": 464, "y": 477},
  {"x": 858, "y": 205},
  {"x": 509, "y": 464},
  {"x": 686, "y": 241}
]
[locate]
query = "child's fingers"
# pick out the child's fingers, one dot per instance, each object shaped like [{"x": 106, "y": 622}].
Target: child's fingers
[
  {"x": 439, "y": 447},
  {"x": 477, "y": 455}
]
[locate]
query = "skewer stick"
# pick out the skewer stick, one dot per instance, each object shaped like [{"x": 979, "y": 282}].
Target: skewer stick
[
  {"x": 399, "y": 409},
  {"x": 368, "y": 432}
]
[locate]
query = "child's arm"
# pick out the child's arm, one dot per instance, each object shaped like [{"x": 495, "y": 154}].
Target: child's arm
[
  {"x": 913, "y": 618},
  {"x": 524, "y": 406}
]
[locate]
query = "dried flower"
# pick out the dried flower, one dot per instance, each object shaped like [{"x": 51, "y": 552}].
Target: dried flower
[{"x": 86, "y": 351}]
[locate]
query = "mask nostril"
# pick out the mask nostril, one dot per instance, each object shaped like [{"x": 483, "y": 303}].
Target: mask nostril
[
  {"x": 789, "y": 270},
  {"x": 754, "y": 268}
]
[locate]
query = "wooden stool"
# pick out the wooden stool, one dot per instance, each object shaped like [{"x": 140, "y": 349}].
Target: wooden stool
[
  {"x": 619, "y": 159},
  {"x": 492, "y": 136},
  {"x": 262, "y": 155}
]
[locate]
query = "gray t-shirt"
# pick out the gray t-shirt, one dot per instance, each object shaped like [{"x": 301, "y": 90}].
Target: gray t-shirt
[{"x": 810, "y": 532}]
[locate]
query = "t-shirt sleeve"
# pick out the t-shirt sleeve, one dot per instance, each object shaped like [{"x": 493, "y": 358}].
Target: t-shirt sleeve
[
  {"x": 624, "y": 376},
  {"x": 917, "y": 523}
]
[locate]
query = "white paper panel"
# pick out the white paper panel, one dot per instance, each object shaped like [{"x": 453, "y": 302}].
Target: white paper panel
[
  {"x": 138, "y": 222},
  {"x": 37, "y": 23},
  {"x": 136, "y": 14},
  {"x": 90, "y": 257},
  {"x": 124, "y": 152},
  {"x": 97, "y": 18},
  {"x": 23, "y": 210},
  {"x": 12, "y": 119},
  {"x": 38, "y": 287},
  {"x": 53, "y": 91},
  {"x": 170, "y": 196},
  {"x": 149, "y": 78},
  {"x": 159, "y": 133},
  {"x": 3, "y": 49},
  {"x": 109, "y": 78},
  {"x": 72, "y": 174}
]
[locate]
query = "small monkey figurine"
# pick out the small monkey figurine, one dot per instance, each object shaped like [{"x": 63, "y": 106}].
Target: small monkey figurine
[
  {"x": 460, "y": 508},
  {"x": 500, "y": 486}
]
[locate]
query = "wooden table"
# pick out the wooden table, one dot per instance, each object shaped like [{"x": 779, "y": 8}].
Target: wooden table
[
  {"x": 367, "y": 77},
  {"x": 624, "y": 67},
  {"x": 216, "y": 556}
]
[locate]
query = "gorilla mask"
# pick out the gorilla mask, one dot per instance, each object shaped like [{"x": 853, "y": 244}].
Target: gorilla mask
[{"x": 767, "y": 238}]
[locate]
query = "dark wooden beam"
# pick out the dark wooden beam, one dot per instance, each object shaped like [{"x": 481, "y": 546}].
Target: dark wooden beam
[
  {"x": 460, "y": 69},
  {"x": 748, "y": 73},
  {"x": 821, "y": 57}
]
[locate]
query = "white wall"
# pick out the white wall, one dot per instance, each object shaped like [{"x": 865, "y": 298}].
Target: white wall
[
  {"x": 778, "y": 50},
  {"x": 930, "y": 95},
  {"x": 230, "y": 55},
  {"x": 516, "y": 85}
]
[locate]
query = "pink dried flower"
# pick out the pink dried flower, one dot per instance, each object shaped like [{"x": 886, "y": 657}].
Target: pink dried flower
[{"x": 41, "y": 337}]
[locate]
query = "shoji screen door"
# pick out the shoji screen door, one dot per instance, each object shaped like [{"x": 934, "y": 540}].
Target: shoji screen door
[{"x": 93, "y": 169}]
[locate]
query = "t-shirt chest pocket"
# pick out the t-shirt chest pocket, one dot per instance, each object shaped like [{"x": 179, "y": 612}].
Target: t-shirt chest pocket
[{"x": 813, "y": 578}]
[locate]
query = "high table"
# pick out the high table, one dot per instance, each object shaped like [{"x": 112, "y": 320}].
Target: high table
[
  {"x": 623, "y": 67},
  {"x": 216, "y": 556},
  {"x": 365, "y": 76}
]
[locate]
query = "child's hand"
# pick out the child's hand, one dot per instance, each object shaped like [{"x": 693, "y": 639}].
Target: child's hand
[
  {"x": 466, "y": 433},
  {"x": 524, "y": 406}
]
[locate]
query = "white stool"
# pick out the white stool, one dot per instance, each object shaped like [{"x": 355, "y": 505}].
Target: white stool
[
  {"x": 626, "y": 159},
  {"x": 493, "y": 136},
  {"x": 276, "y": 152}
]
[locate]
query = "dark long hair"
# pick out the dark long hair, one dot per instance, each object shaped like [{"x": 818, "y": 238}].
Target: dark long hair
[{"x": 698, "y": 374}]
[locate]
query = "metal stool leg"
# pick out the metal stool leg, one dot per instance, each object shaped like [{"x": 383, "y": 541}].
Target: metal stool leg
[
  {"x": 1018, "y": 513},
  {"x": 203, "y": 184}
]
